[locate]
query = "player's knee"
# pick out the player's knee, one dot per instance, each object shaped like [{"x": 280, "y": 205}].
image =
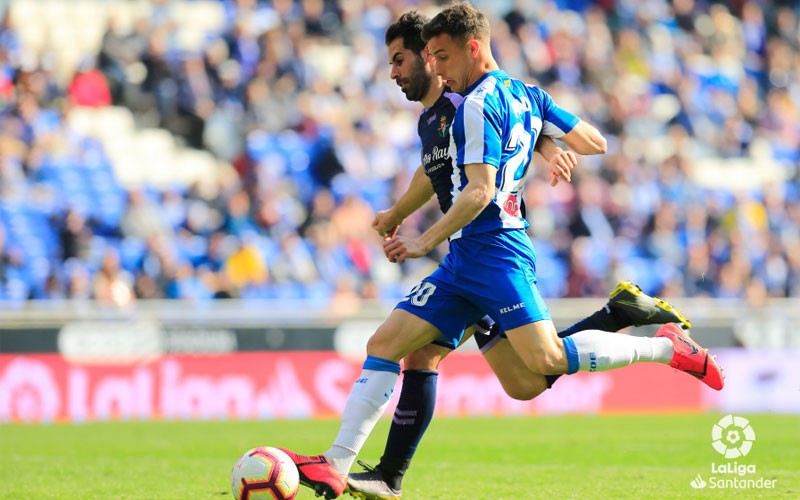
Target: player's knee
[
  {"x": 375, "y": 345},
  {"x": 423, "y": 359},
  {"x": 380, "y": 344},
  {"x": 544, "y": 363}
]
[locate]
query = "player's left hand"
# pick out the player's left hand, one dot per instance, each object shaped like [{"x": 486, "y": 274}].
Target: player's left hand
[
  {"x": 400, "y": 248},
  {"x": 561, "y": 165},
  {"x": 385, "y": 223}
]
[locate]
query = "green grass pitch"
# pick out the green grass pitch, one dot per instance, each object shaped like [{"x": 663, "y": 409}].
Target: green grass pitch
[{"x": 581, "y": 457}]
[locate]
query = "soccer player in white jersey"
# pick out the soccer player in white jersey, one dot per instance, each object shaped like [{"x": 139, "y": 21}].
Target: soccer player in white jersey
[{"x": 492, "y": 138}]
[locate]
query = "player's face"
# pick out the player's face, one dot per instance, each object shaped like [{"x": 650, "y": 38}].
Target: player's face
[
  {"x": 411, "y": 72},
  {"x": 452, "y": 60}
]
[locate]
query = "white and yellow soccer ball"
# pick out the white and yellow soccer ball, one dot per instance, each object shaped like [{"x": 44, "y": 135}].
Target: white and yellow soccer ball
[{"x": 264, "y": 473}]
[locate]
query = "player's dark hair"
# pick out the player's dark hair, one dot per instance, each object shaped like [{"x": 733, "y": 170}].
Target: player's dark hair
[
  {"x": 409, "y": 28},
  {"x": 461, "y": 21}
]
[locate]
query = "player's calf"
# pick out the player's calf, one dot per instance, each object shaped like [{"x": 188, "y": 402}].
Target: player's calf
[{"x": 518, "y": 381}]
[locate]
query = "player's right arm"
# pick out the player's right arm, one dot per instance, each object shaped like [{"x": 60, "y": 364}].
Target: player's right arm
[
  {"x": 418, "y": 193},
  {"x": 585, "y": 139}
]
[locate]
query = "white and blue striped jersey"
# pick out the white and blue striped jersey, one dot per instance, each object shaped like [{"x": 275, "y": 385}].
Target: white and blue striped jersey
[{"x": 498, "y": 124}]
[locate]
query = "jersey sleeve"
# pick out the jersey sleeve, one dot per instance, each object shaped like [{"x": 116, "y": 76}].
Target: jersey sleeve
[
  {"x": 556, "y": 121},
  {"x": 476, "y": 133}
]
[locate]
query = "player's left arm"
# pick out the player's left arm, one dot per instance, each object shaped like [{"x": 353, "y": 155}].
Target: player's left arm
[{"x": 477, "y": 194}]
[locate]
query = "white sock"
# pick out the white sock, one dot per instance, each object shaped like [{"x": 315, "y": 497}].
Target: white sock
[
  {"x": 367, "y": 402},
  {"x": 600, "y": 351}
]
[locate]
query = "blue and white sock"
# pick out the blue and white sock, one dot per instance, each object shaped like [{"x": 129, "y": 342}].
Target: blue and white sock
[
  {"x": 367, "y": 402},
  {"x": 597, "y": 351},
  {"x": 600, "y": 320}
]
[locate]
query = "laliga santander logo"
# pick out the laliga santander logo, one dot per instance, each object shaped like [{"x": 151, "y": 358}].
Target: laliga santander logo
[{"x": 732, "y": 436}]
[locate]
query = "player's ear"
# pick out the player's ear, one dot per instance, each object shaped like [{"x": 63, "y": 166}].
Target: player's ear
[
  {"x": 474, "y": 48},
  {"x": 426, "y": 54}
]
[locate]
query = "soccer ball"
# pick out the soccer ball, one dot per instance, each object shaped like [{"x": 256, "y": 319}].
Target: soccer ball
[{"x": 264, "y": 473}]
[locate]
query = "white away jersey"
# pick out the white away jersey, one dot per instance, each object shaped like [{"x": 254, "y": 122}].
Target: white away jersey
[{"x": 498, "y": 124}]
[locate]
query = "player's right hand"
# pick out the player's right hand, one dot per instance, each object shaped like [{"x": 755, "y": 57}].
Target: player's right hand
[
  {"x": 385, "y": 224},
  {"x": 561, "y": 165},
  {"x": 399, "y": 248}
]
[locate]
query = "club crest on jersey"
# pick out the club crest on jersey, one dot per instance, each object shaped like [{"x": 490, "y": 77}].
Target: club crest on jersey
[
  {"x": 511, "y": 206},
  {"x": 443, "y": 126}
]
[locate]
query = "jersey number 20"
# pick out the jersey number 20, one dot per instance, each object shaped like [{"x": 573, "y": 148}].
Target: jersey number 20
[{"x": 421, "y": 292}]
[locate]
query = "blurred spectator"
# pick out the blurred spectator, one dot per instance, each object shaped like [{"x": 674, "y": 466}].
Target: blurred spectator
[
  {"x": 79, "y": 284},
  {"x": 345, "y": 300},
  {"x": 75, "y": 237},
  {"x": 143, "y": 218},
  {"x": 5, "y": 259},
  {"x": 186, "y": 284},
  {"x": 245, "y": 267},
  {"x": 698, "y": 194},
  {"x": 89, "y": 86},
  {"x": 112, "y": 285}
]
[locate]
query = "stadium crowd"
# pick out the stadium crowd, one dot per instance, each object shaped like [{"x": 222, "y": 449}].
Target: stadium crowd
[{"x": 697, "y": 196}]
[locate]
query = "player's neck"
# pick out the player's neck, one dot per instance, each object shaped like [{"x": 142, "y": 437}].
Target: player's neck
[
  {"x": 434, "y": 93},
  {"x": 483, "y": 66}
]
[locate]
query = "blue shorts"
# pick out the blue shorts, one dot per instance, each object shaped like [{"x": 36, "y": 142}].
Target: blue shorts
[
  {"x": 482, "y": 327},
  {"x": 489, "y": 273}
]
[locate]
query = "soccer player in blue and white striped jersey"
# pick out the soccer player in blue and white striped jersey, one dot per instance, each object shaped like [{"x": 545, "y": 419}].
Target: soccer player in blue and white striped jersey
[
  {"x": 627, "y": 305},
  {"x": 492, "y": 137}
]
